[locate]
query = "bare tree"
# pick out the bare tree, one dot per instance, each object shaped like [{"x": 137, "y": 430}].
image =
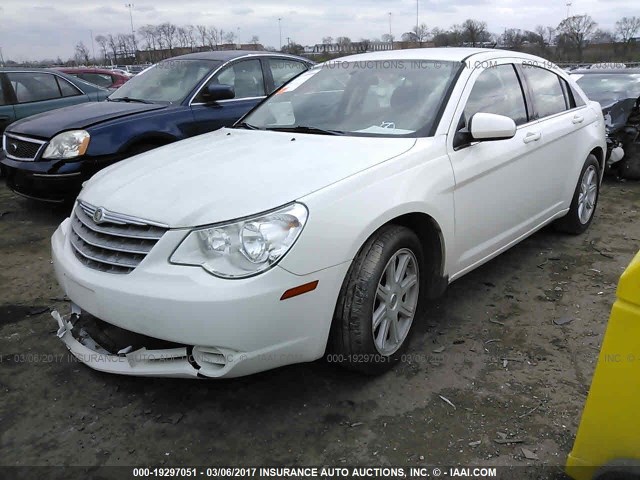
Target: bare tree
[
  {"x": 627, "y": 29},
  {"x": 387, "y": 38},
  {"x": 203, "y": 34},
  {"x": 327, "y": 40},
  {"x": 545, "y": 36},
  {"x": 102, "y": 41},
  {"x": 113, "y": 46},
  {"x": 577, "y": 31},
  {"x": 255, "y": 40},
  {"x": 513, "y": 38},
  {"x": 603, "y": 36},
  {"x": 214, "y": 37},
  {"x": 167, "y": 32},
  {"x": 344, "y": 43},
  {"x": 82, "y": 53},
  {"x": 474, "y": 31},
  {"x": 409, "y": 37},
  {"x": 229, "y": 37},
  {"x": 421, "y": 33}
]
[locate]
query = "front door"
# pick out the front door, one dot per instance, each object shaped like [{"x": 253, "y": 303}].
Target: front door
[
  {"x": 499, "y": 192},
  {"x": 247, "y": 79}
]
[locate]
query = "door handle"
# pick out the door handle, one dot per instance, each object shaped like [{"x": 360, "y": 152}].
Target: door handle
[
  {"x": 577, "y": 119},
  {"x": 532, "y": 137}
]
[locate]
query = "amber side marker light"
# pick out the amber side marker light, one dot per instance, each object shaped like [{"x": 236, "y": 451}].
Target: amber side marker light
[{"x": 299, "y": 290}]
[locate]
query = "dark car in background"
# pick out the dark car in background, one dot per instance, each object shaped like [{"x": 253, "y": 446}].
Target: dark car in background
[
  {"x": 49, "y": 156},
  {"x": 618, "y": 92},
  {"x": 28, "y": 91},
  {"x": 98, "y": 76}
]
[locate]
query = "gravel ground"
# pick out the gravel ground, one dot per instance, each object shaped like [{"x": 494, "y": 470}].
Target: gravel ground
[{"x": 487, "y": 363}]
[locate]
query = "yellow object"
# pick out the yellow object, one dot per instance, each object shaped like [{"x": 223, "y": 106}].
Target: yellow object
[{"x": 609, "y": 431}]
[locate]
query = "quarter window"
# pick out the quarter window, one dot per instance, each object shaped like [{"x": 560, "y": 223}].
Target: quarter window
[
  {"x": 67, "y": 89},
  {"x": 497, "y": 90},
  {"x": 34, "y": 87},
  {"x": 546, "y": 89}
]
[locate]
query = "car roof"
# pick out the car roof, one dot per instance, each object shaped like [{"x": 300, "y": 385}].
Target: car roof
[
  {"x": 28, "y": 69},
  {"x": 227, "y": 55},
  {"x": 453, "y": 54},
  {"x": 86, "y": 70},
  {"x": 606, "y": 71}
]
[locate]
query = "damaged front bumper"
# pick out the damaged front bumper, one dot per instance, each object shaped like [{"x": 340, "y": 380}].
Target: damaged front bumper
[{"x": 178, "y": 361}]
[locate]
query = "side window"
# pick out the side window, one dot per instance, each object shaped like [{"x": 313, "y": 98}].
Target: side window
[
  {"x": 546, "y": 89},
  {"x": 67, "y": 89},
  {"x": 284, "y": 70},
  {"x": 497, "y": 90},
  {"x": 100, "y": 79},
  {"x": 3, "y": 93},
  {"x": 245, "y": 77},
  {"x": 34, "y": 87}
]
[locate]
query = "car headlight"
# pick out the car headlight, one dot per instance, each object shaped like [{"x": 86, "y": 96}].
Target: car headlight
[
  {"x": 245, "y": 247},
  {"x": 68, "y": 145}
]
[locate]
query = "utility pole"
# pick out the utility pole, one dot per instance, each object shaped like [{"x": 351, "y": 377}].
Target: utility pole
[
  {"x": 93, "y": 48},
  {"x": 568, "y": 7},
  {"x": 133, "y": 33},
  {"x": 1, "y": 58},
  {"x": 390, "y": 36},
  {"x": 417, "y": 15},
  {"x": 280, "y": 28}
]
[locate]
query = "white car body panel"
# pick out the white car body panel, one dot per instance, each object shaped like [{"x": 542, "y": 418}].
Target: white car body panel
[
  {"x": 483, "y": 198},
  {"x": 195, "y": 181}
]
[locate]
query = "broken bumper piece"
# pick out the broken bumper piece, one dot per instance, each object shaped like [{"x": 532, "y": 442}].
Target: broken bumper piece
[{"x": 178, "y": 361}]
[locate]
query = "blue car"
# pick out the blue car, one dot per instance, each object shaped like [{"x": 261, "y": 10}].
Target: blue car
[{"x": 48, "y": 156}]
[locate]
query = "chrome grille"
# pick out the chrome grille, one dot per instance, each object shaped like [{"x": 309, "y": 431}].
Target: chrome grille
[
  {"x": 21, "y": 148},
  {"x": 111, "y": 242}
]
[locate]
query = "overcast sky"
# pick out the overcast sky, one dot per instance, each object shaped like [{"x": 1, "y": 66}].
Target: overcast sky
[{"x": 37, "y": 30}]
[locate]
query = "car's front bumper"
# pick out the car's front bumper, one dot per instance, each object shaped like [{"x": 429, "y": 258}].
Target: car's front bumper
[
  {"x": 51, "y": 180},
  {"x": 243, "y": 319}
]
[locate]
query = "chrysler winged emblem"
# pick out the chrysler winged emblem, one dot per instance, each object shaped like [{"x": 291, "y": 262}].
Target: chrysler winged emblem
[{"x": 98, "y": 215}]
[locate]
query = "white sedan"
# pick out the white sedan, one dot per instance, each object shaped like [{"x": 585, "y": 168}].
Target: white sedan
[{"x": 328, "y": 217}]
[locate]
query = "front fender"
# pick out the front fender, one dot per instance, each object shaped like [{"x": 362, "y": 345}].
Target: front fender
[
  {"x": 119, "y": 135},
  {"x": 344, "y": 215}
]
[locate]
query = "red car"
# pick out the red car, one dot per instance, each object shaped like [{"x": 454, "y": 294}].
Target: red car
[{"x": 97, "y": 76}]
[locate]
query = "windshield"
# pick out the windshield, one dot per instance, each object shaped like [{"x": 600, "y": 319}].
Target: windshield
[
  {"x": 370, "y": 98},
  {"x": 169, "y": 81},
  {"x": 610, "y": 88}
]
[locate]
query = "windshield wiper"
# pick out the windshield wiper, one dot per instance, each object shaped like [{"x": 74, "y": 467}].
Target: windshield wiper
[
  {"x": 246, "y": 125},
  {"x": 128, "y": 99},
  {"x": 307, "y": 129}
]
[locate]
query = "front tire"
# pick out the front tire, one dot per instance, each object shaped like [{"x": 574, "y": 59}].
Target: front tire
[
  {"x": 585, "y": 200},
  {"x": 378, "y": 302}
]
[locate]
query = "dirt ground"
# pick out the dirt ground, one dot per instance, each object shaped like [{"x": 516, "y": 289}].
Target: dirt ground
[{"x": 489, "y": 346}]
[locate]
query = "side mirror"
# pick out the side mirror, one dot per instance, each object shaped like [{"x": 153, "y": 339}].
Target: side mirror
[
  {"x": 214, "y": 92},
  {"x": 488, "y": 126}
]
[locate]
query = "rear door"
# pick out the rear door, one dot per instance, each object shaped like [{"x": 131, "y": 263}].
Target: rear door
[
  {"x": 247, "y": 78},
  {"x": 561, "y": 123},
  {"x": 37, "y": 92},
  {"x": 500, "y": 191},
  {"x": 7, "y": 115}
]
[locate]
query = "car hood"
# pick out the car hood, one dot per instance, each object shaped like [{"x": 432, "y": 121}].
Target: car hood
[
  {"x": 232, "y": 173},
  {"x": 46, "y": 125}
]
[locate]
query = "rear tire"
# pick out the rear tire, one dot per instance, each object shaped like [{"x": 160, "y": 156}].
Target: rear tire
[
  {"x": 585, "y": 200},
  {"x": 378, "y": 302}
]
